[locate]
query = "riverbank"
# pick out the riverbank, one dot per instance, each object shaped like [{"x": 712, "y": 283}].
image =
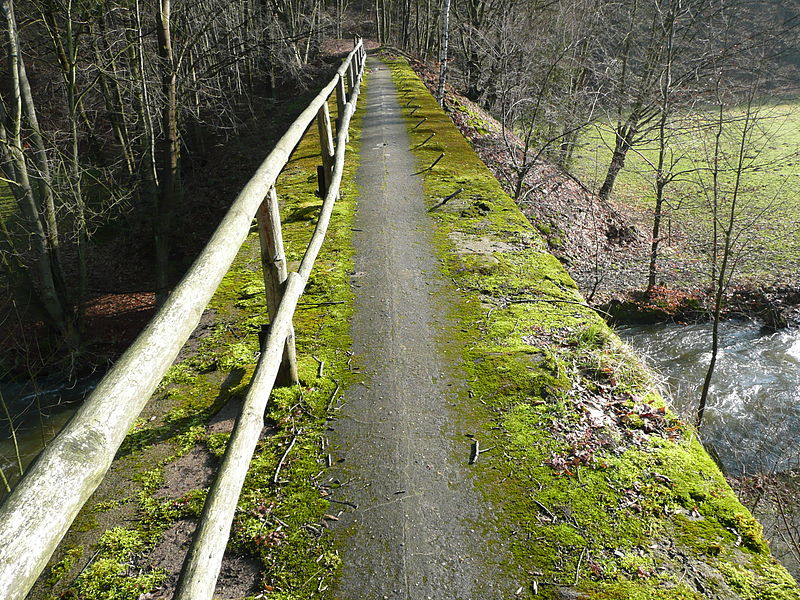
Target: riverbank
[
  {"x": 606, "y": 246},
  {"x": 752, "y": 416},
  {"x": 775, "y": 308}
]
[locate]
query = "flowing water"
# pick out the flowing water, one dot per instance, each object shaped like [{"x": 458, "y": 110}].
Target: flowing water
[
  {"x": 38, "y": 412},
  {"x": 752, "y": 419}
]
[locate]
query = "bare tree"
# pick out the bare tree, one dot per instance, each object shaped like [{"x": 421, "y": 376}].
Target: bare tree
[
  {"x": 736, "y": 208},
  {"x": 28, "y": 174},
  {"x": 537, "y": 75},
  {"x": 443, "y": 50}
]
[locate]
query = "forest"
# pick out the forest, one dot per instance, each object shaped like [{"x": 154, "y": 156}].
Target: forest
[
  {"x": 112, "y": 110},
  {"x": 652, "y": 144}
]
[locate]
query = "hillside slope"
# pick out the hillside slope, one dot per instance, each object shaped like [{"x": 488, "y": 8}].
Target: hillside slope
[{"x": 602, "y": 244}]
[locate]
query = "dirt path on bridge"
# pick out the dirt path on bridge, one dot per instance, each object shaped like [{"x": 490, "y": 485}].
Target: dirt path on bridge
[{"x": 418, "y": 530}]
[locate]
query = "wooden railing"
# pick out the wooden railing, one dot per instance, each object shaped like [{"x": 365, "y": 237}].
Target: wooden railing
[{"x": 39, "y": 511}]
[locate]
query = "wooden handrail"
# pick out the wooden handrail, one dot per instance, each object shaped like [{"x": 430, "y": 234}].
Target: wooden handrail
[
  {"x": 201, "y": 568},
  {"x": 39, "y": 511}
]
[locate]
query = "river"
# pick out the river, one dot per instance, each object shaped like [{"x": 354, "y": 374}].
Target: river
[
  {"x": 38, "y": 412},
  {"x": 753, "y": 413},
  {"x": 752, "y": 418}
]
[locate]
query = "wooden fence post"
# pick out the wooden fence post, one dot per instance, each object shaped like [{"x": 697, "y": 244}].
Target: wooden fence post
[
  {"x": 326, "y": 143},
  {"x": 351, "y": 76},
  {"x": 341, "y": 100},
  {"x": 273, "y": 262}
]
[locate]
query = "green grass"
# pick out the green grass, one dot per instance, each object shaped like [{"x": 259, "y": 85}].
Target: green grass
[{"x": 770, "y": 197}]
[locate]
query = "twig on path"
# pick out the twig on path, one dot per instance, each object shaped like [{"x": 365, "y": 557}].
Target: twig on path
[
  {"x": 309, "y": 304},
  {"x": 427, "y": 139},
  {"x": 283, "y": 458},
  {"x": 578, "y": 570},
  {"x": 333, "y": 396},
  {"x": 550, "y": 515},
  {"x": 555, "y": 301},
  {"x": 279, "y": 522},
  {"x": 88, "y": 564},
  {"x": 420, "y": 123},
  {"x": 445, "y": 199},
  {"x": 321, "y": 366},
  {"x": 476, "y": 451},
  {"x": 416, "y": 108},
  {"x": 345, "y": 502},
  {"x": 441, "y": 156}
]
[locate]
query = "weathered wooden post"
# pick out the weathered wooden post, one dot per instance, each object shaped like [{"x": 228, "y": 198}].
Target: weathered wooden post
[
  {"x": 351, "y": 76},
  {"x": 341, "y": 100},
  {"x": 273, "y": 262},
  {"x": 326, "y": 144}
]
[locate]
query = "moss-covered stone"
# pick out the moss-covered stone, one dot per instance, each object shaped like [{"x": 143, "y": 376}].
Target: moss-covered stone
[{"x": 602, "y": 491}]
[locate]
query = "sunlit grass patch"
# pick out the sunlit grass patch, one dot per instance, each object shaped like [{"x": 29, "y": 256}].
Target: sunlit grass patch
[{"x": 769, "y": 210}]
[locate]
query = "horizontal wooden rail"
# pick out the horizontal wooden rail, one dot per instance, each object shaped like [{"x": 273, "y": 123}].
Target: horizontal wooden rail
[
  {"x": 201, "y": 569},
  {"x": 39, "y": 511}
]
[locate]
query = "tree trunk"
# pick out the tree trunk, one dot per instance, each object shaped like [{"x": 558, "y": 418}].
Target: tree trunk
[
  {"x": 169, "y": 178},
  {"x": 624, "y": 137},
  {"x": 657, "y": 214},
  {"x": 112, "y": 97},
  {"x": 443, "y": 50},
  {"x": 45, "y": 276}
]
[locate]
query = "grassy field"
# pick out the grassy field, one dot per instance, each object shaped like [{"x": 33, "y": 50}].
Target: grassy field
[{"x": 769, "y": 205}]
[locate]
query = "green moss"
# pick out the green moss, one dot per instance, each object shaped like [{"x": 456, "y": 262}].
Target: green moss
[
  {"x": 108, "y": 575},
  {"x": 216, "y": 443},
  {"x": 65, "y": 565},
  {"x": 109, "y": 579},
  {"x": 631, "y": 590},
  {"x": 274, "y": 522},
  {"x": 614, "y": 506},
  {"x": 764, "y": 585},
  {"x": 475, "y": 117}
]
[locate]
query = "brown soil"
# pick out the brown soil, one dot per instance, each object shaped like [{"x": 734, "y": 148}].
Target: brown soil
[
  {"x": 224, "y": 420},
  {"x": 190, "y": 472},
  {"x": 240, "y": 576}
]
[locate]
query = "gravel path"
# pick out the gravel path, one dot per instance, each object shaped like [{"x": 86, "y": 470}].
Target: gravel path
[{"x": 419, "y": 530}]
